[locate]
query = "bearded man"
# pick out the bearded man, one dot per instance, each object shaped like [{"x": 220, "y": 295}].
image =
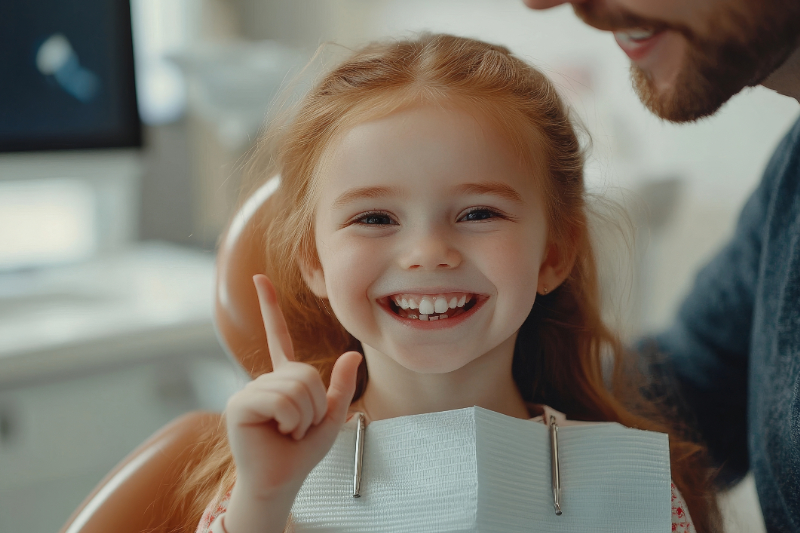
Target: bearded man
[{"x": 734, "y": 350}]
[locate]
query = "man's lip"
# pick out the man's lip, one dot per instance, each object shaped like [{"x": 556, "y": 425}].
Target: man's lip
[{"x": 638, "y": 50}]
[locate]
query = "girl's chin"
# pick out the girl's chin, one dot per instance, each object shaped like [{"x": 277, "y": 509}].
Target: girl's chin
[
  {"x": 428, "y": 369},
  {"x": 428, "y": 360}
]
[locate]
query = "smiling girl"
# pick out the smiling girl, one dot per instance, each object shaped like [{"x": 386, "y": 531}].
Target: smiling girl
[{"x": 428, "y": 249}]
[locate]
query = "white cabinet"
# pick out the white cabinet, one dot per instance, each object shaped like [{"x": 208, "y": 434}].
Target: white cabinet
[
  {"x": 62, "y": 437},
  {"x": 94, "y": 358}
]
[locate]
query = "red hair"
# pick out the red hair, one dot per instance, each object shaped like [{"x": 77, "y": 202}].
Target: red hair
[{"x": 565, "y": 355}]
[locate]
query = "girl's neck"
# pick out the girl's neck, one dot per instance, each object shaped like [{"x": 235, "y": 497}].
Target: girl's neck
[{"x": 394, "y": 391}]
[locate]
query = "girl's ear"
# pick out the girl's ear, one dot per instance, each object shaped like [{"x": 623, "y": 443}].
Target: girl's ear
[
  {"x": 555, "y": 268},
  {"x": 314, "y": 278}
]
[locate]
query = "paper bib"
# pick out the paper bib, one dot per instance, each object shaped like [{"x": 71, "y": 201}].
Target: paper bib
[{"x": 474, "y": 470}]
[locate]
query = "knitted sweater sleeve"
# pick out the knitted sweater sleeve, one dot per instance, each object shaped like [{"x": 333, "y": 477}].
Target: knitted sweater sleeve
[{"x": 702, "y": 360}]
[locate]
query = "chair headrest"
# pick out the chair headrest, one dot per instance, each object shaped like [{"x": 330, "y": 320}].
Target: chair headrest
[{"x": 237, "y": 316}]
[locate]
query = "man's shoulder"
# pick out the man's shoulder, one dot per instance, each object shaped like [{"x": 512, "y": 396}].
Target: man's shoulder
[
  {"x": 776, "y": 194},
  {"x": 787, "y": 155}
]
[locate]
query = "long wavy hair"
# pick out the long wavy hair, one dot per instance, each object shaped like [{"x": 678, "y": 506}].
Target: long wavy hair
[{"x": 565, "y": 354}]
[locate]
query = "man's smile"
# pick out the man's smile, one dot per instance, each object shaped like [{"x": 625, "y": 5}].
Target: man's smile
[{"x": 637, "y": 42}]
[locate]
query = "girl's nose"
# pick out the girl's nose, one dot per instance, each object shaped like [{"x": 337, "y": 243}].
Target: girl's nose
[{"x": 430, "y": 252}]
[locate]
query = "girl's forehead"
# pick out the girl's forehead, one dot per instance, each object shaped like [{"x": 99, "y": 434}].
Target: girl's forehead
[{"x": 429, "y": 147}]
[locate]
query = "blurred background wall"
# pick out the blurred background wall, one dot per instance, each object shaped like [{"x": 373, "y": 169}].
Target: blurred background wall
[{"x": 112, "y": 336}]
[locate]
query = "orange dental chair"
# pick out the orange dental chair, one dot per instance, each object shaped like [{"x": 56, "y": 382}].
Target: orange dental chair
[{"x": 133, "y": 497}]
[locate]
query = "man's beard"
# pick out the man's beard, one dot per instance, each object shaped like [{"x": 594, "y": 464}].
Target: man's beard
[{"x": 746, "y": 48}]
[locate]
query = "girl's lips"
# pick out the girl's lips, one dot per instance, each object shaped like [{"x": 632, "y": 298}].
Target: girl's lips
[
  {"x": 436, "y": 324},
  {"x": 637, "y": 43}
]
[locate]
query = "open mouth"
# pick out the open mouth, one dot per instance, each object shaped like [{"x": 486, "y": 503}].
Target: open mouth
[
  {"x": 431, "y": 307},
  {"x": 636, "y": 43},
  {"x": 634, "y": 36}
]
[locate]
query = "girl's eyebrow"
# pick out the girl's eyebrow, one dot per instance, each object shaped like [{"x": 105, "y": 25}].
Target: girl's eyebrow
[
  {"x": 495, "y": 188},
  {"x": 359, "y": 193}
]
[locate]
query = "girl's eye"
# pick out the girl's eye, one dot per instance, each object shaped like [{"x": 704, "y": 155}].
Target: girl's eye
[
  {"x": 480, "y": 213},
  {"x": 374, "y": 219}
]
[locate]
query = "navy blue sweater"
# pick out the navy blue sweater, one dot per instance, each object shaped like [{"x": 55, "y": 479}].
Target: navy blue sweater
[{"x": 735, "y": 346}]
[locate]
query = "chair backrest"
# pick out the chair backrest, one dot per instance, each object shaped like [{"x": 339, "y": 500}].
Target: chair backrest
[{"x": 134, "y": 496}]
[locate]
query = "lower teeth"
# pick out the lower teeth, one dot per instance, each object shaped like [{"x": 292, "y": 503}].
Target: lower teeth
[{"x": 427, "y": 317}]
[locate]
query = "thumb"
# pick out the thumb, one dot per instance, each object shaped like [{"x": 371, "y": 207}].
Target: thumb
[{"x": 343, "y": 385}]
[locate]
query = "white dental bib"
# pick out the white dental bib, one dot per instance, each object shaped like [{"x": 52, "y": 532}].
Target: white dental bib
[{"x": 474, "y": 470}]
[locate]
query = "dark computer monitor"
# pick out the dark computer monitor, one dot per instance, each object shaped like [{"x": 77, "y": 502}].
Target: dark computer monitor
[{"x": 66, "y": 75}]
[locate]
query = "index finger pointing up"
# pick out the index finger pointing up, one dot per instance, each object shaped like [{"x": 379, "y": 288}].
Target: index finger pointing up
[{"x": 278, "y": 340}]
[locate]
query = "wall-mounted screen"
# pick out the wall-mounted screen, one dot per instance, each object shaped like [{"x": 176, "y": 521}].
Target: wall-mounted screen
[{"x": 66, "y": 75}]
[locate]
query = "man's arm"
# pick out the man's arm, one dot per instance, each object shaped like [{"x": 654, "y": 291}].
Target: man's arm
[{"x": 703, "y": 359}]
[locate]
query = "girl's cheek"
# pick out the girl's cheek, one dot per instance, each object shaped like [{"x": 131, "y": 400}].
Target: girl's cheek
[
  {"x": 355, "y": 261},
  {"x": 349, "y": 274},
  {"x": 512, "y": 265},
  {"x": 513, "y": 259}
]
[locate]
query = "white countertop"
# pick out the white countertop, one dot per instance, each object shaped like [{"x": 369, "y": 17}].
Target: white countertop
[{"x": 151, "y": 300}]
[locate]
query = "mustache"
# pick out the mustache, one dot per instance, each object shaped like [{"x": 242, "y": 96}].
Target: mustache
[{"x": 593, "y": 14}]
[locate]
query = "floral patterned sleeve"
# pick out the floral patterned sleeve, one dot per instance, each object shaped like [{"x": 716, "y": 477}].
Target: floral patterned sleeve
[
  {"x": 211, "y": 521},
  {"x": 681, "y": 521}
]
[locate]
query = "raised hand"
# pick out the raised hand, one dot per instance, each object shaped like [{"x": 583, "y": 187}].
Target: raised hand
[{"x": 283, "y": 423}]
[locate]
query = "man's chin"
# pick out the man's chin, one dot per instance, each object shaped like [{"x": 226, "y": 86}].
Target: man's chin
[
  {"x": 712, "y": 70},
  {"x": 687, "y": 99}
]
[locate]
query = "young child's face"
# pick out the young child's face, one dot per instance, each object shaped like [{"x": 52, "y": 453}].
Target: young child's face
[{"x": 430, "y": 205}]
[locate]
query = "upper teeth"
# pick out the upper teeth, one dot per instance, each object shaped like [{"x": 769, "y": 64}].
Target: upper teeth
[
  {"x": 428, "y": 304},
  {"x": 634, "y": 35}
]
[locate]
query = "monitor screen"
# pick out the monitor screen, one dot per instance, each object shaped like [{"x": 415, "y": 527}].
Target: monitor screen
[{"x": 66, "y": 75}]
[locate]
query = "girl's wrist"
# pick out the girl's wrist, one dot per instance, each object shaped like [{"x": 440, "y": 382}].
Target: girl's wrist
[{"x": 247, "y": 513}]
